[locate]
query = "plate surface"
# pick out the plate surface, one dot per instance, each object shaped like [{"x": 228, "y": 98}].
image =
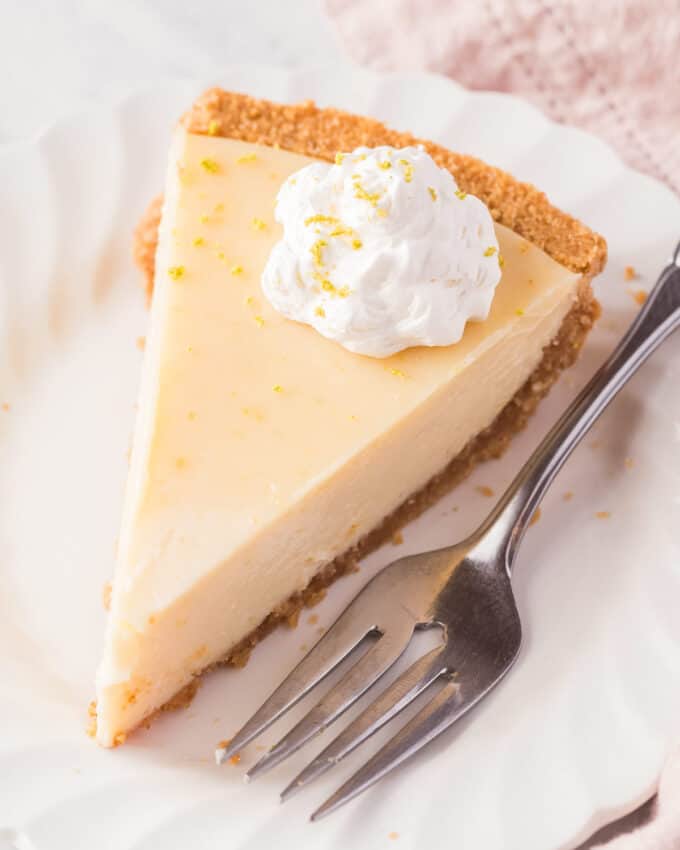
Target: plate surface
[{"x": 575, "y": 736}]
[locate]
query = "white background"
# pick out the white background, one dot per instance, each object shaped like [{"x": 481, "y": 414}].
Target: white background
[{"x": 58, "y": 55}]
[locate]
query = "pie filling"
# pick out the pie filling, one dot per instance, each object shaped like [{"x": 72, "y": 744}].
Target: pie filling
[{"x": 266, "y": 458}]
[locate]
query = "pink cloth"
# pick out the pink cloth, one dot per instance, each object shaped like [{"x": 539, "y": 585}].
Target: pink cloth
[{"x": 609, "y": 66}]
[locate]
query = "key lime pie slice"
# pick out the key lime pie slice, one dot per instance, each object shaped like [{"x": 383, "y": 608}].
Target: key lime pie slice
[{"x": 317, "y": 372}]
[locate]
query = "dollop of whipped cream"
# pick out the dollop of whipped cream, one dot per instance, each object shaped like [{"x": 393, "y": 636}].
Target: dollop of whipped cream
[{"x": 381, "y": 252}]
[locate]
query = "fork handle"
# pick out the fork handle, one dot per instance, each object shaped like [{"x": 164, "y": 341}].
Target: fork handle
[{"x": 657, "y": 319}]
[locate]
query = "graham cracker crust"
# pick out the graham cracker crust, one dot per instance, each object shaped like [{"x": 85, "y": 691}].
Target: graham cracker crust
[{"x": 308, "y": 130}]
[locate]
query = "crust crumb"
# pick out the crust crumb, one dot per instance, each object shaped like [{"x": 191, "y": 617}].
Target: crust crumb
[
  {"x": 535, "y": 517},
  {"x": 240, "y": 657},
  {"x": 91, "y": 727},
  {"x": 315, "y": 597},
  {"x": 183, "y": 698},
  {"x": 485, "y": 491},
  {"x": 629, "y": 273},
  {"x": 106, "y": 595}
]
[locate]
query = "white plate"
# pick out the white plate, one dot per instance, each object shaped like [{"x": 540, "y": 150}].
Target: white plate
[{"x": 578, "y": 731}]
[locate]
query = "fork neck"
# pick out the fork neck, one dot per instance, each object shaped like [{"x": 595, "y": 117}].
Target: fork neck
[{"x": 499, "y": 536}]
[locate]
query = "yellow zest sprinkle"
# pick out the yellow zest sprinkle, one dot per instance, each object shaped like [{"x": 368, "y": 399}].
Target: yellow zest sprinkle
[
  {"x": 490, "y": 251},
  {"x": 501, "y": 261},
  {"x": 385, "y": 165},
  {"x": 398, "y": 373},
  {"x": 408, "y": 169},
  {"x": 204, "y": 219},
  {"x": 247, "y": 157},
  {"x": 219, "y": 255},
  {"x": 213, "y": 127},
  {"x": 341, "y": 230},
  {"x": 320, "y": 312},
  {"x": 237, "y": 269},
  {"x": 250, "y": 300},
  {"x": 519, "y": 312},
  {"x": 362, "y": 194},
  {"x": 199, "y": 240},
  {"x": 362, "y": 157},
  {"x": 258, "y": 224},
  {"x": 356, "y": 244},
  {"x": 316, "y": 250},
  {"x": 293, "y": 181},
  {"x": 321, "y": 219},
  {"x": 191, "y": 415},
  {"x": 277, "y": 388},
  {"x": 180, "y": 463},
  {"x": 210, "y": 165},
  {"x": 329, "y": 286},
  {"x": 260, "y": 321},
  {"x": 176, "y": 272},
  {"x": 339, "y": 158},
  {"x": 382, "y": 212},
  {"x": 433, "y": 193},
  {"x": 460, "y": 194},
  {"x": 219, "y": 208}
]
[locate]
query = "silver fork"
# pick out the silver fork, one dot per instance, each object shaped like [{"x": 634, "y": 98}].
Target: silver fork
[{"x": 465, "y": 589}]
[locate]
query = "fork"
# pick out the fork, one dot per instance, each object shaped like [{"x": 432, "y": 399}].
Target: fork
[{"x": 465, "y": 589}]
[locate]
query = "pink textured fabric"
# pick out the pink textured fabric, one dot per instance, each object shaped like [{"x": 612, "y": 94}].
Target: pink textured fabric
[{"x": 609, "y": 66}]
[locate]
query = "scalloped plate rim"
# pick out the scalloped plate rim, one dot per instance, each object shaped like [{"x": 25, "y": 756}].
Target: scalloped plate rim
[{"x": 222, "y": 78}]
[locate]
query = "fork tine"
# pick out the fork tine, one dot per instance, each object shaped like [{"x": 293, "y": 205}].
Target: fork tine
[
  {"x": 396, "y": 697},
  {"x": 356, "y": 682},
  {"x": 441, "y": 712},
  {"x": 343, "y": 636}
]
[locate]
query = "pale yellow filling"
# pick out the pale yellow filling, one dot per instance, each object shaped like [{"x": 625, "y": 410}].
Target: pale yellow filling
[{"x": 262, "y": 450}]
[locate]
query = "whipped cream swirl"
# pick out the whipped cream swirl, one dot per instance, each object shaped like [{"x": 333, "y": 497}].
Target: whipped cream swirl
[{"x": 381, "y": 252}]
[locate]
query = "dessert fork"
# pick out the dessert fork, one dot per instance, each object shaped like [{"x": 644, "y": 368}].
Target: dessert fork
[{"x": 465, "y": 589}]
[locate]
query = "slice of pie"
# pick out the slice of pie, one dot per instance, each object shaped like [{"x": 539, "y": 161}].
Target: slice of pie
[{"x": 268, "y": 459}]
